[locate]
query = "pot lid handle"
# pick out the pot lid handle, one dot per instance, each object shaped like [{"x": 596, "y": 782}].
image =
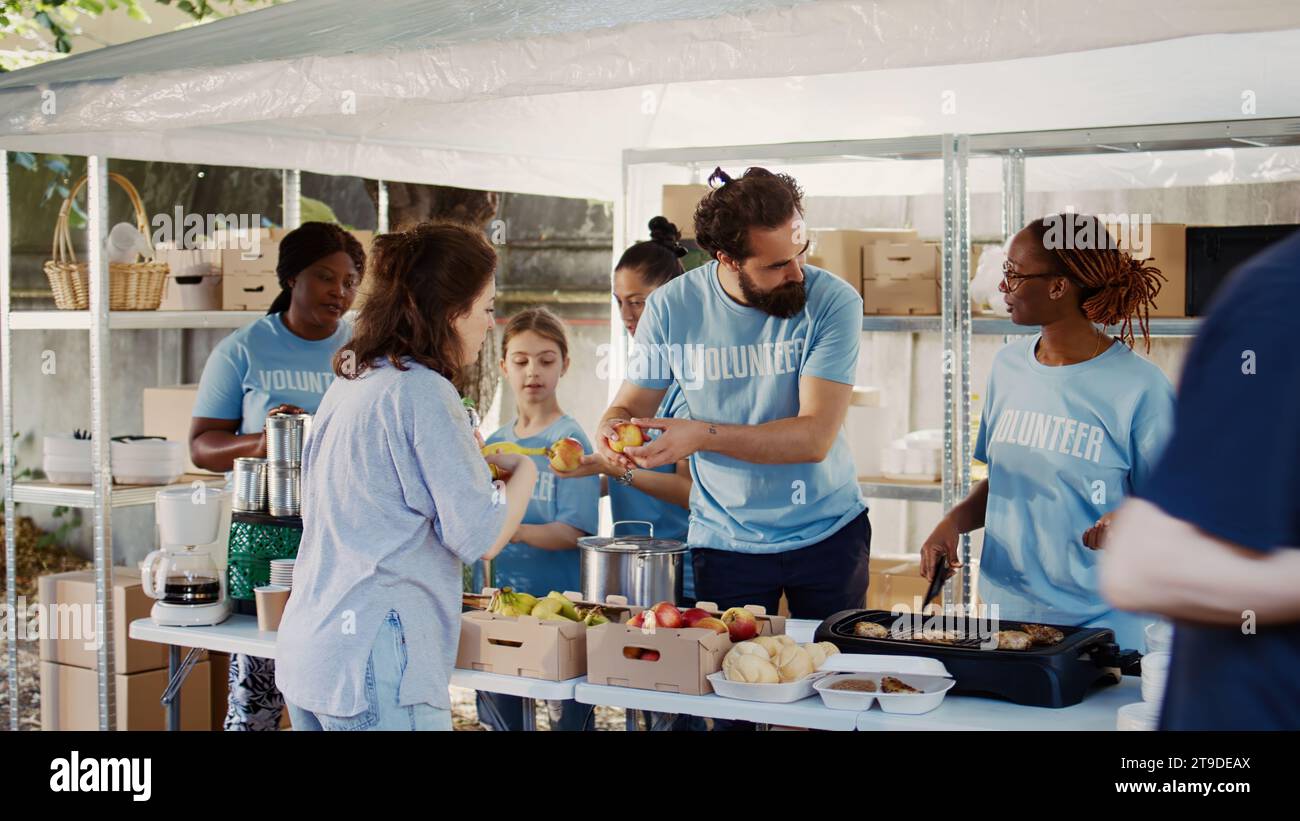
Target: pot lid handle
[{"x": 632, "y": 522}]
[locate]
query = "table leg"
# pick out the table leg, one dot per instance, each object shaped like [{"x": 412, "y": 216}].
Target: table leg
[
  {"x": 633, "y": 720},
  {"x": 174, "y": 708},
  {"x": 530, "y": 715}
]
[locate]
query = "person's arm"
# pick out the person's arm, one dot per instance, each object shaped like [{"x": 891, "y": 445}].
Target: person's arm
[
  {"x": 673, "y": 488},
  {"x": 215, "y": 443},
  {"x": 1156, "y": 563},
  {"x": 516, "y": 490},
  {"x": 807, "y": 437},
  {"x": 965, "y": 516},
  {"x": 550, "y": 536}
]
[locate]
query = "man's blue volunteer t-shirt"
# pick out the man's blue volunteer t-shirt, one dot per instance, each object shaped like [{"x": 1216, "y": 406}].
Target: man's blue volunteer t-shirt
[
  {"x": 263, "y": 365},
  {"x": 1232, "y": 469},
  {"x": 670, "y": 521},
  {"x": 574, "y": 502},
  {"x": 1064, "y": 445},
  {"x": 740, "y": 365}
]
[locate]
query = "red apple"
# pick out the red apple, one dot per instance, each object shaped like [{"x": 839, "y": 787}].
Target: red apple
[
  {"x": 629, "y": 436},
  {"x": 649, "y": 655},
  {"x": 713, "y": 624},
  {"x": 667, "y": 615},
  {"x": 636, "y": 621},
  {"x": 631, "y": 652},
  {"x": 565, "y": 455},
  {"x": 741, "y": 624},
  {"x": 693, "y": 615}
]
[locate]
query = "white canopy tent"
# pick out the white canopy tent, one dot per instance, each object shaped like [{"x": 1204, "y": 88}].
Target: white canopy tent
[{"x": 542, "y": 97}]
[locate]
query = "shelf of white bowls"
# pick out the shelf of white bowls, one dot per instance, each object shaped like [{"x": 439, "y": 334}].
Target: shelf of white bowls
[
  {"x": 911, "y": 467},
  {"x": 140, "y": 468}
]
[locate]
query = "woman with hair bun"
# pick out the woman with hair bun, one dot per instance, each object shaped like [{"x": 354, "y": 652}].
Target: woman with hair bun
[{"x": 1073, "y": 423}]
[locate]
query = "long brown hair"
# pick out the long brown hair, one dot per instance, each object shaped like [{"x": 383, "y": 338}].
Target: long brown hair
[
  {"x": 421, "y": 280},
  {"x": 1114, "y": 287},
  {"x": 541, "y": 321}
]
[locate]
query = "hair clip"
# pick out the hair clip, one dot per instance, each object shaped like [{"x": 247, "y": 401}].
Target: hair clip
[{"x": 720, "y": 177}]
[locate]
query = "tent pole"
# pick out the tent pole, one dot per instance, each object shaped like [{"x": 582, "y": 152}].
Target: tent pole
[
  {"x": 96, "y": 235},
  {"x": 7, "y": 379},
  {"x": 290, "y": 205}
]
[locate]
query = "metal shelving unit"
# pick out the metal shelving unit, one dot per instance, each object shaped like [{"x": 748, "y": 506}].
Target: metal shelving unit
[
  {"x": 883, "y": 488},
  {"x": 1170, "y": 327},
  {"x": 101, "y": 496}
]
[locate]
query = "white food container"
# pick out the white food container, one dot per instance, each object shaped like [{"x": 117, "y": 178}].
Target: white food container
[
  {"x": 926, "y": 674},
  {"x": 769, "y": 693},
  {"x": 67, "y": 460},
  {"x": 855, "y": 700},
  {"x": 1138, "y": 716},
  {"x": 147, "y": 462},
  {"x": 1155, "y": 673},
  {"x": 1160, "y": 637}
]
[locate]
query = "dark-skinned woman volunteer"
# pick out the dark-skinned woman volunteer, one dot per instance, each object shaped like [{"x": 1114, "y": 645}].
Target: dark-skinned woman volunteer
[
  {"x": 396, "y": 495},
  {"x": 280, "y": 363},
  {"x": 1073, "y": 423}
]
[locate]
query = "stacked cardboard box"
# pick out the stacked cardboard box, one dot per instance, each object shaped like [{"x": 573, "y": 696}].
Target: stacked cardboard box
[
  {"x": 1166, "y": 248},
  {"x": 893, "y": 271},
  {"x": 679, "y": 203},
  {"x": 69, "y": 659}
]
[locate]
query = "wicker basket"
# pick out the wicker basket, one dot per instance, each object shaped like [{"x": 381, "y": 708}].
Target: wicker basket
[{"x": 132, "y": 286}]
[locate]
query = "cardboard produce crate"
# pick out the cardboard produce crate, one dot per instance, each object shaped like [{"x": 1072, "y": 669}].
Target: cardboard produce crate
[
  {"x": 70, "y": 699},
  {"x": 525, "y": 645},
  {"x": 842, "y": 252},
  {"x": 900, "y": 259},
  {"x": 67, "y": 595},
  {"x": 687, "y": 656},
  {"x": 900, "y": 297}
]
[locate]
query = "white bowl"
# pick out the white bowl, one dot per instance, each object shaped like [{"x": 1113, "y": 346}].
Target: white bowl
[
  {"x": 847, "y": 699},
  {"x": 933, "y": 689},
  {"x": 160, "y": 476},
  {"x": 65, "y": 477},
  {"x": 63, "y": 444},
  {"x": 1138, "y": 716},
  {"x": 769, "y": 693},
  {"x": 1160, "y": 637}
]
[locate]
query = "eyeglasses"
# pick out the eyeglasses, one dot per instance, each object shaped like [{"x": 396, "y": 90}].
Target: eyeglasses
[{"x": 1011, "y": 280}]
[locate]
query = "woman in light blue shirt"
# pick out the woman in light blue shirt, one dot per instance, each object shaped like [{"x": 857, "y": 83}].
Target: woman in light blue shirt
[
  {"x": 280, "y": 363},
  {"x": 396, "y": 495},
  {"x": 1073, "y": 422}
]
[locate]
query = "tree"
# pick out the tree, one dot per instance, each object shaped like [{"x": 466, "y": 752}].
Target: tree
[
  {"x": 412, "y": 203},
  {"x": 51, "y": 24}
]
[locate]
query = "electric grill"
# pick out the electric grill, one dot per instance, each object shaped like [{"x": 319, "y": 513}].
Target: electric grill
[{"x": 1059, "y": 675}]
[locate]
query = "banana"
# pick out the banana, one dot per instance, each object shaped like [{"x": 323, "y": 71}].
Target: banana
[
  {"x": 511, "y": 447},
  {"x": 566, "y": 606},
  {"x": 547, "y": 608}
]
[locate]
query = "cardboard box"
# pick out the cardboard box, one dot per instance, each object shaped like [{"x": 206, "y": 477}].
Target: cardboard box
[
  {"x": 904, "y": 259},
  {"x": 896, "y": 580},
  {"x": 70, "y": 699},
  {"x": 219, "y": 688},
  {"x": 248, "y": 291},
  {"x": 842, "y": 252},
  {"x": 526, "y": 646},
  {"x": 70, "y": 599},
  {"x": 1166, "y": 245},
  {"x": 687, "y": 656},
  {"x": 679, "y": 203},
  {"x": 900, "y": 296},
  {"x": 168, "y": 412}
]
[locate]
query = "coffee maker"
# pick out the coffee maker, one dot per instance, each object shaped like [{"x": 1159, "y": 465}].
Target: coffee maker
[{"x": 189, "y": 589}]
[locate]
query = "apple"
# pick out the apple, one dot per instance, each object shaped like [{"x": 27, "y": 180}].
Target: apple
[
  {"x": 631, "y": 652},
  {"x": 565, "y": 455},
  {"x": 694, "y": 614},
  {"x": 741, "y": 624},
  {"x": 714, "y": 624},
  {"x": 667, "y": 615},
  {"x": 649, "y": 655},
  {"x": 629, "y": 436},
  {"x": 636, "y": 621}
]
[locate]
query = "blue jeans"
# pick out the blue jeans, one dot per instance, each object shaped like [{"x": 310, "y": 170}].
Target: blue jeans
[
  {"x": 384, "y": 669},
  {"x": 506, "y": 713}
]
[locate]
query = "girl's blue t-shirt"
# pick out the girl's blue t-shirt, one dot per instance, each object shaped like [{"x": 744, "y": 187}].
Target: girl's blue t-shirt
[
  {"x": 574, "y": 502},
  {"x": 263, "y": 365},
  {"x": 1065, "y": 446}
]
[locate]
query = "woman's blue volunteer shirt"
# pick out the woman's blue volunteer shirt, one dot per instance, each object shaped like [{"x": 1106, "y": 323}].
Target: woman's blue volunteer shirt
[
  {"x": 1232, "y": 469},
  {"x": 574, "y": 502},
  {"x": 670, "y": 521},
  {"x": 1064, "y": 445},
  {"x": 263, "y": 365},
  {"x": 740, "y": 365}
]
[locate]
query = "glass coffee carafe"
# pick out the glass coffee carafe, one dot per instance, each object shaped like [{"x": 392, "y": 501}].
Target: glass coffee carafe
[{"x": 181, "y": 575}]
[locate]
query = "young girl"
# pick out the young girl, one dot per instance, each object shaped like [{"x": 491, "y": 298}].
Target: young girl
[{"x": 542, "y": 555}]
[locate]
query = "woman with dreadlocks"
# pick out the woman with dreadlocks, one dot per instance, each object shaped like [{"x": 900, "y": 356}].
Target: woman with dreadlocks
[{"x": 1073, "y": 422}]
